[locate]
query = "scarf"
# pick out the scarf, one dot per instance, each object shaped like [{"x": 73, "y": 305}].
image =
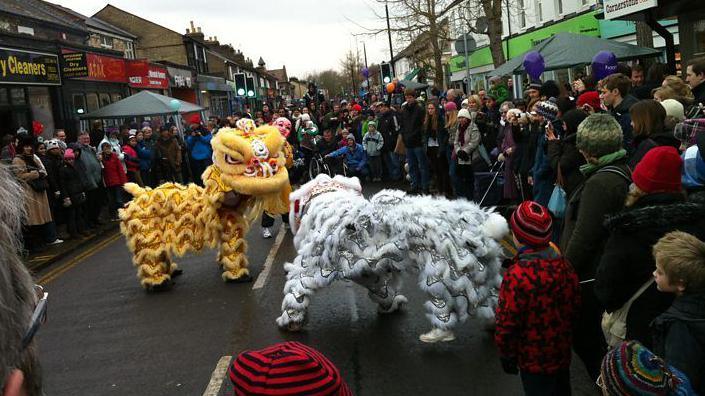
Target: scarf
[
  {"x": 461, "y": 138},
  {"x": 603, "y": 161}
]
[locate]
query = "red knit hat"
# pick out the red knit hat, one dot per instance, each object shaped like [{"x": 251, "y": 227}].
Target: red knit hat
[
  {"x": 288, "y": 368},
  {"x": 591, "y": 98},
  {"x": 357, "y": 107},
  {"x": 194, "y": 119},
  {"x": 531, "y": 224},
  {"x": 659, "y": 171}
]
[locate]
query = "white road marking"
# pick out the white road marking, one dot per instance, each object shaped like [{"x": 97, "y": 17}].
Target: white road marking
[
  {"x": 218, "y": 376},
  {"x": 351, "y": 300},
  {"x": 262, "y": 277}
]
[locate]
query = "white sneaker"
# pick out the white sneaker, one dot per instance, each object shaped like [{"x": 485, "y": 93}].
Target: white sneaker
[
  {"x": 437, "y": 335},
  {"x": 266, "y": 233},
  {"x": 56, "y": 242}
]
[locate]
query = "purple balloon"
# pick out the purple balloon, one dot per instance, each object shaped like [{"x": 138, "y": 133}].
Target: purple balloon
[
  {"x": 365, "y": 72},
  {"x": 533, "y": 64},
  {"x": 604, "y": 64}
]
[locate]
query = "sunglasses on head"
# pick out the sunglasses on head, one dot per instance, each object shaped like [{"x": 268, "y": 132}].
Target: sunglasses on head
[{"x": 39, "y": 315}]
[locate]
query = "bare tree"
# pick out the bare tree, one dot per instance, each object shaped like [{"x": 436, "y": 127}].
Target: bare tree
[
  {"x": 423, "y": 27},
  {"x": 330, "y": 80},
  {"x": 351, "y": 66}
]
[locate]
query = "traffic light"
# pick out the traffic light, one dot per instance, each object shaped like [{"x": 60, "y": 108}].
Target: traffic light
[
  {"x": 386, "y": 70},
  {"x": 250, "y": 83},
  {"x": 240, "y": 84}
]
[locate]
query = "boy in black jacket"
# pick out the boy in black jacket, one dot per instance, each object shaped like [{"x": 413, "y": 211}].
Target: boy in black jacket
[{"x": 679, "y": 333}]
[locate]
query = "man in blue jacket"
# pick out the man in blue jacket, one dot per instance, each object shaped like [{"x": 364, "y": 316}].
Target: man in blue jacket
[
  {"x": 355, "y": 157},
  {"x": 199, "y": 146},
  {"x": 145, "y": 153}
]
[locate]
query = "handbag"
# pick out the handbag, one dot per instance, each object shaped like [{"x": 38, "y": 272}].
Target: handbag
[
  {"x": 39, "y": 184},
  {"x": 557, "y": 202},
  {"x": 614, "y": 325}
]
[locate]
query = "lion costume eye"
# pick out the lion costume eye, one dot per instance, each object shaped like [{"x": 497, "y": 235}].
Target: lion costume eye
[{"x": 259, "y": 149}]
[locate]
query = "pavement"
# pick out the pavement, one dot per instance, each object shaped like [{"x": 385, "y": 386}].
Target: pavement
[{"x": 106, "y": 336}]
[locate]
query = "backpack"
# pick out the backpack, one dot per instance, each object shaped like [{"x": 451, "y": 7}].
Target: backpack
[{"x": 614, "y": 325}]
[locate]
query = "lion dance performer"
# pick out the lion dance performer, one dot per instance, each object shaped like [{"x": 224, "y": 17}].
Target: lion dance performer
[
  {"x": 248, "y": 174},
  {"x": 453, "y": 247},
  {"x": 284, "y": 126}
]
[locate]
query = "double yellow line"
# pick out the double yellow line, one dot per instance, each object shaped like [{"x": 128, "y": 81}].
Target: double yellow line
[{"x": 56, "y": 272}]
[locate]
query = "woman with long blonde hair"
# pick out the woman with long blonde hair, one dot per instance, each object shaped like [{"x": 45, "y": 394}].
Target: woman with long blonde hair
[{"x": 451, "y": 128}]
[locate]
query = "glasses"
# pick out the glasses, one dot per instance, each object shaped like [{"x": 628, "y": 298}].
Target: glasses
[{"x": 39, "y": 316}]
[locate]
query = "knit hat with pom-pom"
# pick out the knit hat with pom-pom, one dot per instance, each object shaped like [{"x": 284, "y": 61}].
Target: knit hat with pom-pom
[{"x": 531, "y": 224}]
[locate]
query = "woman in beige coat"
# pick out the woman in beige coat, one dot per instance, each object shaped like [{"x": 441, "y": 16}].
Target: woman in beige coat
[{"x": 28, "y": 167}]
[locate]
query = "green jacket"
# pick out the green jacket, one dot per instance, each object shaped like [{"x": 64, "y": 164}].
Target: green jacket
[
  {"x": 584, "y": 235},
  {"x": 501, "y": 92}
]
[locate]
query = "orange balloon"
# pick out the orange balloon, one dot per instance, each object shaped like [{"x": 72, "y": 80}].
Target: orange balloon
[{"x": 391, "y": 87}]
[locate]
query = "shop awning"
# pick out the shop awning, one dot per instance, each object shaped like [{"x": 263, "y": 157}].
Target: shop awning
[
  {"x": 565, "y": 50},
  {"x": 412, "y": 74},
  {"x": 144, "y": 103},
  {"x": 413, "y": 84}
]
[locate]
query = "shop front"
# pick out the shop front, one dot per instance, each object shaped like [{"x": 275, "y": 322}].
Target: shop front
[
  {"x": 480, "y": 61},
  {"x": 144, "y": 76},
  {"x": 29, "y": 81},
  {"x": 181, "y": 83},
  {"x": 91, "y": 81},
  {"x": 215, "y": 95}
]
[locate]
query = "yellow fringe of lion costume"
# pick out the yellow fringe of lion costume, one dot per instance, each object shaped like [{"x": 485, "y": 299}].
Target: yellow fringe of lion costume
[{"x": 248, "y": 175}]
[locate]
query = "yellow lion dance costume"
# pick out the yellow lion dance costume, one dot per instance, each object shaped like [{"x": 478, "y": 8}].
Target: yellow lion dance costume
[{"x": 248, "y": 175}]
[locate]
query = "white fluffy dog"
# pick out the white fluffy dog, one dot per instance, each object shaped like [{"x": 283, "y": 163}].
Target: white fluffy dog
[{"x": 452, "y": 245}]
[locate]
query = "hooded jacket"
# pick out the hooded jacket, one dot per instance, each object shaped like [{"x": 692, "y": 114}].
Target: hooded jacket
[
  {"x": 388, "y": 126},
  {"x": 627, "y": 261},
  {"x": 621, "y": 114},
  {"x": 93, "y": 174},
  {"x": 679, "y": 337},
  {"x": 412, "y": 116}
]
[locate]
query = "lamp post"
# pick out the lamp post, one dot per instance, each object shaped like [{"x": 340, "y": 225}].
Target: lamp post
[{"x": 389, "y": 35}]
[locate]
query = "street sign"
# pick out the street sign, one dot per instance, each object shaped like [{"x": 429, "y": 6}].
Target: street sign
[
  {"x": 618, "y": 8},
  {"x": 460, "y": 44}
]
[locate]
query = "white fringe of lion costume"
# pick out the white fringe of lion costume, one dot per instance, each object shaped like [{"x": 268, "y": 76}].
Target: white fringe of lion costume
[{"x": 454, "y": 246}]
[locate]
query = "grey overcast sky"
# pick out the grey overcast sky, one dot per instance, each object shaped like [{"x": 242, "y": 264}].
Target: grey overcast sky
[{"x": 304, "y": 35}]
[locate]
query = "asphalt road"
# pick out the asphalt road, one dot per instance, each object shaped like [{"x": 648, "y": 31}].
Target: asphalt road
[{"x": 106, "y": 336}]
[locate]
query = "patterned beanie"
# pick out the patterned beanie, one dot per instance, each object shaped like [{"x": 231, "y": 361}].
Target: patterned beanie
[
  {"x": 598, "y": 135},
  {"x": 631, "y": 369},
  {"x": 659, "y": 171},
  {"x": 288, "y": 368},
  {"x": 531, "y": 224},
  {"x": 548, "y": 109}
]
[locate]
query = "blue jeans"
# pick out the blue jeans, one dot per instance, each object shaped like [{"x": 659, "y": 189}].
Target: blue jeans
[
  {"x": 392, "y": 166},
  {"x": 452, "y": 171},
  {"x": 418, "y": 167}
]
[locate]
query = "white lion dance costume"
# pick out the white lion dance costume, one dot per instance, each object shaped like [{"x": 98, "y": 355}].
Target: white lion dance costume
[
  {"x": 453, "y": 245},
  {"x": 247, "y": 175}
]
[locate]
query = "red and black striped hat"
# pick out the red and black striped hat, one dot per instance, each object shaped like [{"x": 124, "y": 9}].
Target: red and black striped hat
[
  {"x": 531, "y": 224},
  {"x": 287, "y": 368}
]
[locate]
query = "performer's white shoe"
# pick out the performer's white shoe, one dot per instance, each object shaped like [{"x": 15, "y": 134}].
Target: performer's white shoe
[
  {"x": 266, "y": 233},
  {"x": 437, "y": 335}
]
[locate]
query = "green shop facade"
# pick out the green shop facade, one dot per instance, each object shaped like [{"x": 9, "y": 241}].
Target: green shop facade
[{"x": 480, "y": 61}]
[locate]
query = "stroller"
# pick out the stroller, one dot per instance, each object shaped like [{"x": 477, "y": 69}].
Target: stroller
[{"x": 489, "y": 185}]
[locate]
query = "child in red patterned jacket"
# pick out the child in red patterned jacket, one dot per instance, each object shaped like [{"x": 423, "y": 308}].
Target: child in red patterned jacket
[{"x": 538, "y": 301}]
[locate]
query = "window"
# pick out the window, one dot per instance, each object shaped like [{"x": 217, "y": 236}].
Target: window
[
  {"x": 104, "y": 99},
  {"x": 106, "y": 42},
  {"x": 3, "y": 96},
  {"x": 17, "y": 96},
  {"x": 129, "y": 50},
  {"x": 79, "y": 104},
  {"x": 585, "y": 2},
  {"x": 115, "y": 97},
  {"x": 522, "y": 14},
  {"x": 539, "y": 11},
  {"x": 559, "y": 7},
  {"x": 91, "y": 102}
]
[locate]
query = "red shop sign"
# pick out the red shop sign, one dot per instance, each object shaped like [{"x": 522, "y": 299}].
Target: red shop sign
[
  {"x": 143, "y": 75},
  {"x": 106, "y": 68}
]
